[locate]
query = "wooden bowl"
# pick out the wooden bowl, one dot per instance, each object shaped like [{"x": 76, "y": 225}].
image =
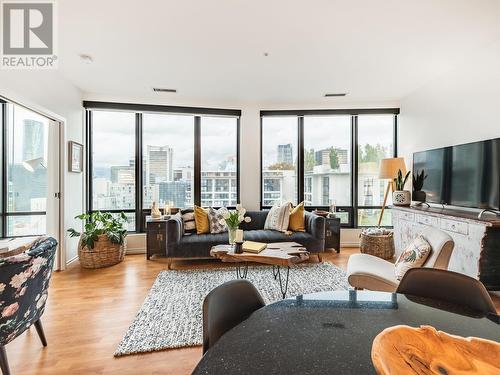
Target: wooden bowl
[{"x": 424, "y": 350}]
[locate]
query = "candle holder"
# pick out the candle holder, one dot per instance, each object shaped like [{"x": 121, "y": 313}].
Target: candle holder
[{"x": 238, "y": 247}]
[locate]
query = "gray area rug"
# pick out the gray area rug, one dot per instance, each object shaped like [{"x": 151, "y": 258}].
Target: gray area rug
[{"x": 171, "y": 315}]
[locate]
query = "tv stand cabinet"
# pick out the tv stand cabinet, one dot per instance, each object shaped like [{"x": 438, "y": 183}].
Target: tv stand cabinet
[{"x": 477, "y": 240}]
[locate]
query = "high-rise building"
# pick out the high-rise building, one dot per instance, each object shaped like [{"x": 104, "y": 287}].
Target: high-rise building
[
  {"x": 178, "y": 192},
  {"x": 159, "y": 164},
  {"x": 322, "y": 157},
  {"x": 33, "y": 139},
  {"x": 122, "y": 174},
  {"x": 285, "y": 154}
]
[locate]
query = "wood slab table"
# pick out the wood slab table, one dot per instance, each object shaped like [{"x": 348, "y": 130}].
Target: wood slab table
[{"x": 278, "y": 254}]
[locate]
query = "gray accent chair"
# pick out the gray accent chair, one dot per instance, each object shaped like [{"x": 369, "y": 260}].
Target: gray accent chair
[
  {"x": 197, "y": 246},
  {"x": 366, "y": 271}
]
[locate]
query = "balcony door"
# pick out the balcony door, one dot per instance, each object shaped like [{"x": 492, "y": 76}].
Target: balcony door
[{"x": 31, "y": 164}]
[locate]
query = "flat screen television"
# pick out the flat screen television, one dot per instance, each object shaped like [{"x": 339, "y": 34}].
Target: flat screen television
[{"x": 466, "y": 175}]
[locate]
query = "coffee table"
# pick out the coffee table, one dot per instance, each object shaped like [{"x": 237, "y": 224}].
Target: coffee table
[{"x": 277, "y": 254}]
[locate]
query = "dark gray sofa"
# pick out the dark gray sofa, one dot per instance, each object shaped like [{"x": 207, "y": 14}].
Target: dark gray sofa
[{"x": 182, "y": 246}]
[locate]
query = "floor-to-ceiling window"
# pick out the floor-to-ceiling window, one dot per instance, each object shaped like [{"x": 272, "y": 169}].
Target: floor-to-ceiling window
[
  {"x": 328, "y": 158},
  {"x": 113, "y": 163},
  {"x": 25, "y": 180},
  {"x": 375, "y": 142},
  {"x": 219, "y": 161},
  {"x": 279, "y": 160},
  {"x": 327, "y": 162},
  {"x": 168, "y": 159},
  {"x": 140, "y": 154}
]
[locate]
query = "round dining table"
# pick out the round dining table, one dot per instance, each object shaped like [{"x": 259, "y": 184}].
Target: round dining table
[{"x": 331, "y": 333}]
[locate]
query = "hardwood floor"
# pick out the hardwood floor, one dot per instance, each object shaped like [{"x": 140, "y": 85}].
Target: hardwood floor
[{"x": 88, "y": 312}]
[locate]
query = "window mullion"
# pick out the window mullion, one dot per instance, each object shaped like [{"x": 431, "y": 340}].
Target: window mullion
[
  {"x": 197, "y": 161},
  {"x": 3, "y": 229},
  {"x": 300, "y": 157},
  {"x": 354, "y": 170},
  {"x": 139, "y": 222}
]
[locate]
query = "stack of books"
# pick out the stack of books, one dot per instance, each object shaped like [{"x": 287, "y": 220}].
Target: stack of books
[{"x": 253, "y": 247}]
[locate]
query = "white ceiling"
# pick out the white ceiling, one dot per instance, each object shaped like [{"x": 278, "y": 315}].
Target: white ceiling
[{"x": 213, "y": 49}]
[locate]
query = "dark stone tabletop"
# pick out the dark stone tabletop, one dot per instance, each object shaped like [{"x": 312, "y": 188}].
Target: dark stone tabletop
[{"x": 329, "y": 333}]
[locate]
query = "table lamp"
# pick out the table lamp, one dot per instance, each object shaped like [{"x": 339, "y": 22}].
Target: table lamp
[{"x": 389, "y": 169}]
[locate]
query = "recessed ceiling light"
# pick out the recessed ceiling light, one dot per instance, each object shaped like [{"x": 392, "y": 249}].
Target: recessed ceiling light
[
  {"x": 159, "y": 89},
  {"x": 335, "y": 94},
  {"x": 87, "y": 59}
]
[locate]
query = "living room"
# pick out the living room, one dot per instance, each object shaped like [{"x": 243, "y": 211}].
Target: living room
[{"x": 146, "y": 148}]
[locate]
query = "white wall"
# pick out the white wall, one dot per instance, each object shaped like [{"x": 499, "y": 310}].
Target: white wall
[
  {"x": 50, "y": 93},
  {"x": 461, "y": 106}
]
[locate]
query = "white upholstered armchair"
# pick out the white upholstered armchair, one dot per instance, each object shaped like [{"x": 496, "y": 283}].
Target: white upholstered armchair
[{"x": 366, "y": 271}]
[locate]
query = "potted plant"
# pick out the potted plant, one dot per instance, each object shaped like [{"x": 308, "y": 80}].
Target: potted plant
[
  {"x": 232, "y": 219},
  {"x": 103, "y": 241},
  {"x": 400, "y": 196},
  {"x": 418, "y": 183}
]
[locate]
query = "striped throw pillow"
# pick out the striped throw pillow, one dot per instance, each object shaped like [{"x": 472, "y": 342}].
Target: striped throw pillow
[
  {"x": 278, "y": 218},
  {"x": 188, "y": 221}
]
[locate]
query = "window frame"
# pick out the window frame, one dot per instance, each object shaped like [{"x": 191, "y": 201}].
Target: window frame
[
  {"x": 139, "y": 109},
  {"x": 353, "y": 209}
]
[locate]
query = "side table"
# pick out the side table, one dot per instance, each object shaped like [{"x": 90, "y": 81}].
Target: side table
[
  {"x": 332, "y": 233},
  {"x": 156, "y": 237}
]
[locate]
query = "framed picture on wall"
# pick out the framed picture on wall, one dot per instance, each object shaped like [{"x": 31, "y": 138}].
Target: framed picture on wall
[{"x": 75, "y": 157}]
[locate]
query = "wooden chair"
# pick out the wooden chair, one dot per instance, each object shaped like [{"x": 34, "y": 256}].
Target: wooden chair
[
  {"x": 449, "y": 287},
  {"x": 366, "y": 271},
  {"x": 227, "y": 306},
  {"x": 24, "y": 282}
]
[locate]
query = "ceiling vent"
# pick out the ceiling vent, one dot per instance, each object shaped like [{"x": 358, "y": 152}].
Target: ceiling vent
[
  {"x": 335, "y": 95},
  {"x": 159, "y": 89}
]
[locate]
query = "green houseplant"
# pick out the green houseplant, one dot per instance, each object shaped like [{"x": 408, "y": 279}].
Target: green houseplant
[
  {"x": 103, "y": 240},
  {"x": 400, "y": 196},
  {"x": 418, "y": 183}
]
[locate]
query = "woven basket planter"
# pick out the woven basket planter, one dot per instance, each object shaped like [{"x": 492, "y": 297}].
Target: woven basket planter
[
  {"x": 381, "y": 246},
  {"x": 104, "y": 254}
]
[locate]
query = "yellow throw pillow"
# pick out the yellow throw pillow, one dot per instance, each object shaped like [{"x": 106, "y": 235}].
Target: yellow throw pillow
[
  {"x": 296, "y": 222},
  {"x": 201, "y": 220}
]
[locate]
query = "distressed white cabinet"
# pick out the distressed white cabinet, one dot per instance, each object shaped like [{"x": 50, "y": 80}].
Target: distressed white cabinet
[{"x": 477, "y": 241}]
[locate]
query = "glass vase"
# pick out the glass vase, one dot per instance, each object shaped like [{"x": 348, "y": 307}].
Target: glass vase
[{"x": 232, "y": 235}]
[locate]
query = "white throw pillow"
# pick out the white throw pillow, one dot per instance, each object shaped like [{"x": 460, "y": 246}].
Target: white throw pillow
[
  {"x": 215, "y": 217},
  {"x": 415, "y": 255},
  {"x": 278, "y": 217}
]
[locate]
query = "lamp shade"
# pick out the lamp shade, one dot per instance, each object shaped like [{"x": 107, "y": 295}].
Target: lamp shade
[{"x": 389, "y": 168}]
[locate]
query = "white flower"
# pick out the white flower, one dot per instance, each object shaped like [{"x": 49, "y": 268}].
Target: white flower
[
  {"x": 238, "y": 207},
  {"x": 240, "y": 218},
  {"x": 2, "y": 287},
  {"x": 248, "y": 219},
  {"x": 243, "y": 211},
  {"x": 226, "y": 215}
]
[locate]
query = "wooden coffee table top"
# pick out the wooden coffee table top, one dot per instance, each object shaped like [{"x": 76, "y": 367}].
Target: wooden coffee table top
[{"x": 276, "y": 254}]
